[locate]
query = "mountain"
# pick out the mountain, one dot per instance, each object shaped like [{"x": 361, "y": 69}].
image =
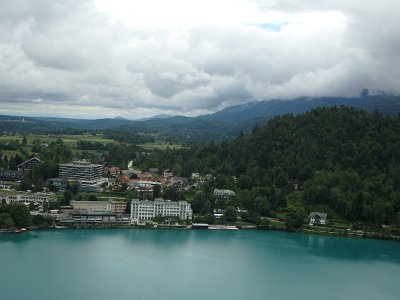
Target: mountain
[
  {"x": 222, "y": 125},
  {"x": 387, "y": 104},
  {"x": 160, "y": 116}
]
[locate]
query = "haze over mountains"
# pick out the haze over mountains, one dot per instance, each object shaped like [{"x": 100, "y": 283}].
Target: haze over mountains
[{"x": 221, "y": 125}]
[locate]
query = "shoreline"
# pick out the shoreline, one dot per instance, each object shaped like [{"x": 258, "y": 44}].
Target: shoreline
[{"x": 352, "y": 234}]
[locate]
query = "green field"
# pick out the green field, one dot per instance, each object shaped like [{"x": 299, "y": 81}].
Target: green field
[
  {"x": 160, "y": 146},
  {"x": 69, "y": 140}
]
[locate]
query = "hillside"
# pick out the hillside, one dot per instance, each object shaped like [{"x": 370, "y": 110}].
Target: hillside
[{"x": 341, "y": 159}]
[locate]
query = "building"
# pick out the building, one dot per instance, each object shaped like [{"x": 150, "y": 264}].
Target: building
[
  {"x": 28, "y": 165},
  {"x": 167, "y": 173},
  {"x": 81, "y": 170},
  {"x": 195, "y": 175},
  {"x": 34, "y": 198},
  {"x": 224, "y": 194},
  {"x": 100, "y": 206},
  {"x": 148, "y": 210},
  {"x": 114, "y": 171},
  {"x": 153, "y": 170},
  {"x": 93, "y": 218},
  {"x": 10, "y": 175},
  {"x": 317, "y": 218},
  {"x": 59, "y": 183},
  {"x": 88, "y": 175}
]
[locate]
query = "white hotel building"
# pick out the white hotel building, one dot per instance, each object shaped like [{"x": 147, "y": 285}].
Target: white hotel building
[{"x": 148, "y": 210}]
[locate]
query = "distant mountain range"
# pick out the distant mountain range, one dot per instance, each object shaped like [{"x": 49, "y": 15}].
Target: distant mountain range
[{"x": 222, "y": 125}]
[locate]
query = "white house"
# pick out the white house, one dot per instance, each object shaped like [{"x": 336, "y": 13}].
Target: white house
[{"x": 317, "y": 218}]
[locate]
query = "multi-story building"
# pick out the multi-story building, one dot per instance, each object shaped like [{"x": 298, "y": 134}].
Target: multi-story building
[
  {"x": 100, "y": 206},
  {"x": 28, "y": 165},
  {"x": 148, "y": 210},
  {"x": 81, "y": 170}
]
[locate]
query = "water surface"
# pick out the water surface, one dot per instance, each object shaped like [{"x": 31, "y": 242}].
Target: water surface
[{"x": 188, "y": 264}]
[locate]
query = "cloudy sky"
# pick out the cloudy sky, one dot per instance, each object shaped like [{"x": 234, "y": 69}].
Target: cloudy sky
[{"x": 135, "y": 58}]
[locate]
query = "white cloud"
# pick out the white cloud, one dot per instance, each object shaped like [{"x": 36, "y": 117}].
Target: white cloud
[{"x": 139, "y": 58}]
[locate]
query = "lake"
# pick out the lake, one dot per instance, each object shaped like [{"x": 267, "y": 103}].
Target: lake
[{"x": 188, "y": 264}]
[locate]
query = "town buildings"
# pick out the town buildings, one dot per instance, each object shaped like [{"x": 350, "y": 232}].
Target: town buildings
[{"x": 141, "y": 211}]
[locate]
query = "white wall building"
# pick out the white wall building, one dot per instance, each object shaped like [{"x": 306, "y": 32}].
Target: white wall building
[
  {"x": 35, "y": 198},
  {"x": 317, "y": 218},
  {"x": 100, "y": 206},
  {"x": 226, "y": 194},
  {"x": 81, "y": 170},
  {"x": 148, "y": 210}
]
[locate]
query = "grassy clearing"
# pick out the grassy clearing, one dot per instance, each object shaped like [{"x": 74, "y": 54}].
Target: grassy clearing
[
  {"x": 9, "y": 153},
  {"x": 276, "y": 224},
  {"x": 69, "y": 140},
  {"x": 160, "y": 146}
]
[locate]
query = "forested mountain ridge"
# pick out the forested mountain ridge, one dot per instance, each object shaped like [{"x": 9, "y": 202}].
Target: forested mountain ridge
[
  {"x": 386, "y": 104},
  {"x": 342, "y": 157},
  {"x": 223, "y": 125}
]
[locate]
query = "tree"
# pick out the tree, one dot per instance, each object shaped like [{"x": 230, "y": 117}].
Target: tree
[
  {"x": 156, "y": 190},
  {"x": 20, "y": 214},
  {"x": 6, "y": 220},
  {"x": 261, "y": 206},
  {"x": 26, "y": 183},
  {"x": 73, "y": 187},
  {"x": 92, "y": 198},
  {"x": 42, "y": 221},
  {"x": 289, "y": 223},
  {"x": 230, "y": 214}
]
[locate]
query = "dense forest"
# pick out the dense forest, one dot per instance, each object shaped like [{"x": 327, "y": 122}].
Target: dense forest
[{"x": 343, "y": 159}]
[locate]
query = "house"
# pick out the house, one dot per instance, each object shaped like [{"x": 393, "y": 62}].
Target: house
[
  {"x": 28, "y": 165},
  {"x": 146, "y": 176},
  {"x": 10, "y": 175},
  {"x": 223, "y": 193},
  {"x": 153, "y": 170},
  {"x": 317, "y": 218},
  {"x": 114, "y": 171},
  {"x": 167, "y": 173}
]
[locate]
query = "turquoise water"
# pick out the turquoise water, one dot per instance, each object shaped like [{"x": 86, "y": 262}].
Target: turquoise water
[{"x": 189, "y": 264}]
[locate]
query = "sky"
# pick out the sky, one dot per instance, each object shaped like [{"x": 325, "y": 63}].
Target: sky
[{"x": 135, "y": 58}]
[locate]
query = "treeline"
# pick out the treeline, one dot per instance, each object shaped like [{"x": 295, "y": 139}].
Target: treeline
[
  {"x": 125, "y": 136},
  {"x": 17, "y": 215},
  {"x": 344, "y": 158}
]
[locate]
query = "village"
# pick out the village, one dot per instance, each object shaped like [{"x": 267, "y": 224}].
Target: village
[{"x": 94, "y": 196}]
